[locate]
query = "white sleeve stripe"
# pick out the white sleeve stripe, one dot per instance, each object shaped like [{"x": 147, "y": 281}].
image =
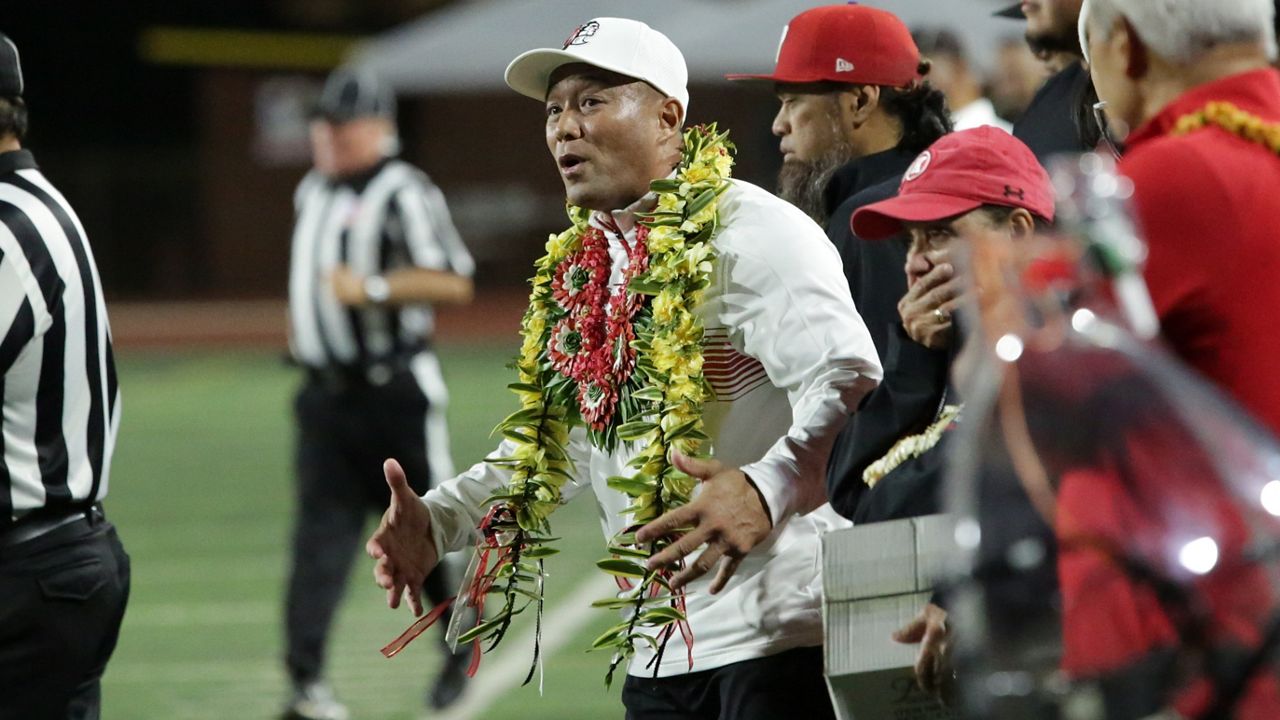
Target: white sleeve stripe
[
  {"x": 25, "y": 283},
  {"x": 13, "y": 292},
  {"x": 14, "y": 303},
  {"x": 419, "y": 233},
  {"x": 450, "y": 241}
]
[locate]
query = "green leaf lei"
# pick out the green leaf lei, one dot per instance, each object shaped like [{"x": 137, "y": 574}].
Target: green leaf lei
[{"x": 657, "y": 407}]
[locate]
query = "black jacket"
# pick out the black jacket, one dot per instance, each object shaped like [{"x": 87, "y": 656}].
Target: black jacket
[
  {"x": 1055, "y": 121},
  {"x": 874, "y": 270},
  {"x": 905, "y": 403}
]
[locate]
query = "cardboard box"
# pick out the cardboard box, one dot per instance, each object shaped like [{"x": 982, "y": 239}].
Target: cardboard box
[{"x": 876, "y": 578}]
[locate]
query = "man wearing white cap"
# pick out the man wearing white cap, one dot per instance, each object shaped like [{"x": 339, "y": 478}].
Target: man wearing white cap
[{"x": 753, "y": 326}]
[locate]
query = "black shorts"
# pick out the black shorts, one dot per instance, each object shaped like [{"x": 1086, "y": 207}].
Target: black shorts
[{"x": 782, "y": 686}]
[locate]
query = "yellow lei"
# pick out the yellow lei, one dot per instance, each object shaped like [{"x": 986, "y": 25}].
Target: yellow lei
[
  {"x": 1235, "y": 121},
  {"x": 659, "y": 411}
]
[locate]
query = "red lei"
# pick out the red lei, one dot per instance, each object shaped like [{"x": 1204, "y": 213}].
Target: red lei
[{"x": 591, "y": 344}]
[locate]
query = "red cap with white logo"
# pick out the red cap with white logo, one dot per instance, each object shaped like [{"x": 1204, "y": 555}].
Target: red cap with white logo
[
  {"x": 958, "y": 174},
  {"x": 849, "y": 43}
]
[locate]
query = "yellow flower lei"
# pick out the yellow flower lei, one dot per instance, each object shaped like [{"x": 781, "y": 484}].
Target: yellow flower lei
[
  {"x": 1235, "y": 121},
  {"x": 663, "y": 414}
]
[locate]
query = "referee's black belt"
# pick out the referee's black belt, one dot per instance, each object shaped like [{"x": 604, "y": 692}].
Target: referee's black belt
[
  {"x": 339, "y": 378},
  {"x": 39, "y": 523}
]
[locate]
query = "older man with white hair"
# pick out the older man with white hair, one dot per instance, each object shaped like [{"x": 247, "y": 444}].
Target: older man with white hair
[{"x": 1193, "y": 79}]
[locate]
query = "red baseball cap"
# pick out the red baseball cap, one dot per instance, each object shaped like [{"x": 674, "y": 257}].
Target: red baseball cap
[
  {"x": 849, "y": 43},
  {"x": 960, "y": 173}
]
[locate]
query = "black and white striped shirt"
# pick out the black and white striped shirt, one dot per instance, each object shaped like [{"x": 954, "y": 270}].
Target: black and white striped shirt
[
  {"x": 61, "y": 398},
  {"x": 390, "y": 217}
]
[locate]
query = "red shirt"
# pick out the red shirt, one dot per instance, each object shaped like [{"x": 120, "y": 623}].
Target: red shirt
[{"x": 1208, "y": 204}]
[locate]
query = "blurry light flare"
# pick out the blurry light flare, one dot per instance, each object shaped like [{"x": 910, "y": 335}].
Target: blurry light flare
[
  {"x": 1271, "y": 497},
  {"x": 1083, "y": 319},
  {"x": 1026, "y": 554},
  {"x": 1106, "y": 185},
  {"x": 1009, "y": 348},
  {"x": 1199, "y": 556},
  {"x": 968, "y": 534},
  {"x": 1010, "y": 684},
  {"x": 1124, "y": 187},
  {"x": 1091, "y": 164}
]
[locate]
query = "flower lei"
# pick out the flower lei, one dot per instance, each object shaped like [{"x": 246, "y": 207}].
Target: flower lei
[
  {"x": 591, "y": 343},
  {"x": 1235, "y": 121},
  {"x": 627, "y": 365},
  {"x": 912, "y": 446}
]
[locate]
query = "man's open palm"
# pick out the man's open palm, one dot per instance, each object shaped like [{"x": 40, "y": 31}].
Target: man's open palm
[{"x": 402, "y": 543}]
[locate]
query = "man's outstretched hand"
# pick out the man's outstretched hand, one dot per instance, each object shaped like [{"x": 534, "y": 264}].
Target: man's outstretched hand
[
  {"x": 729, "y": 516},
  {"x": 402, "y": 543}
]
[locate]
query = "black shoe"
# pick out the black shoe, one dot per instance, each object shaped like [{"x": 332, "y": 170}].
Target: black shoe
[{"x": 451, "y": 681}]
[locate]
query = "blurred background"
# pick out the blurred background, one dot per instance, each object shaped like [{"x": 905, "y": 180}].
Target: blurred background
[{"x": 178, "y": 131}]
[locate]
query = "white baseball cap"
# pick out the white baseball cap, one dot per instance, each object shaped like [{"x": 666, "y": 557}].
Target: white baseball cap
[{"x": 628, "y": 47}]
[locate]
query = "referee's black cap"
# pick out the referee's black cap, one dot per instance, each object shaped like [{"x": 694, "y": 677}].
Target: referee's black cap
[
  {"x": 1013, "y": 11},
  {"x": 10, "y": 68},
  {"x": 352, "y": 93}
]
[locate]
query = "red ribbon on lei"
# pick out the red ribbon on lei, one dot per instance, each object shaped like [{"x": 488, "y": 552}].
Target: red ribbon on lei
[{"x": 477, "y": 591}]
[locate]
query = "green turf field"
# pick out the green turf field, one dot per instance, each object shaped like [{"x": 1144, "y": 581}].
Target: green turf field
[{"x": 201, "y": 490}]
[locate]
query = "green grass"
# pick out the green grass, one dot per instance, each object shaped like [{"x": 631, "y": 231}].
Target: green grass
[{"x": 201, "y": 490}]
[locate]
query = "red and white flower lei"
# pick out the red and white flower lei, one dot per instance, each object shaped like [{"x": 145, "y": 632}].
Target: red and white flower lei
[{"x": 591, "y": 345}]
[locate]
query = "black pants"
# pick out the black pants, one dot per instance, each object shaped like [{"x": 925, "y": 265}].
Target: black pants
[
  {"x": 785, "y": 686},
  {"x": 345, "y": 431},
  {"x": 62, "y": 598}
]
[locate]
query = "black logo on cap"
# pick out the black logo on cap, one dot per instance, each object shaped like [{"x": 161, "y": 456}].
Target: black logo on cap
[
  {"x": 1012, "y": 192},
  {"x": 582, "y": 34}
]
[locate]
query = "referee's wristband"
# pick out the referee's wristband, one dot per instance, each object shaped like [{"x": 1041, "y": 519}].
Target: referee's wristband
[{"x": 376, "y": 289}]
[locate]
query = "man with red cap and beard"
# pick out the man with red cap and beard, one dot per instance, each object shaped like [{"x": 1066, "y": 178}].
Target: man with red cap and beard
[{"x": 856, "y": 109}]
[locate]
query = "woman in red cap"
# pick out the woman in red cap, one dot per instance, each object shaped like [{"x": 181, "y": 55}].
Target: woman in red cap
[{"x": 1106, "y": 519}]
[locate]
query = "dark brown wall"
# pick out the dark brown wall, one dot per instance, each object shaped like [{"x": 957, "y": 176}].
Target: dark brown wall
[
  {"x": 246, "y": 209},
  {"x": 480, "y": 148}
]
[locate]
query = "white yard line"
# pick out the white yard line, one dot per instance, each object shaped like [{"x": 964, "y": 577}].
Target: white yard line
[{"x": 497, "y": 675}]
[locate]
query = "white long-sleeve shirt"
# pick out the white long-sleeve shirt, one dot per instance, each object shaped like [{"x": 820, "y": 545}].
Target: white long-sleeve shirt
[{"x": 788, "y": 358}]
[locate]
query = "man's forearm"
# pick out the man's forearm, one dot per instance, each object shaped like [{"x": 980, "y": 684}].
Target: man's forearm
[
  {"x": 458, "y": 504},
  {"x": 411, "y": 286},
  {"x": 791, "y": 475}
]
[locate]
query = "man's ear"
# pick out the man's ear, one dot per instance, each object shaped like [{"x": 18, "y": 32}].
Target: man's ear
[
  {"x": 857, "y": 104},
  {"x": 671, "y": 117},
  {"x": 1137, "y": 60}
]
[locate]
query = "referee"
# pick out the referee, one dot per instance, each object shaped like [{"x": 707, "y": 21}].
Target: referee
[
  {"x": 64, "y": 577},
  {"x": 373, "y": 249}
]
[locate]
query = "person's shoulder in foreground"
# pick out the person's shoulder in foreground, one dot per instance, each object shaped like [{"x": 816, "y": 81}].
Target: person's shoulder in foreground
[{"x": 753, "y": 217}]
